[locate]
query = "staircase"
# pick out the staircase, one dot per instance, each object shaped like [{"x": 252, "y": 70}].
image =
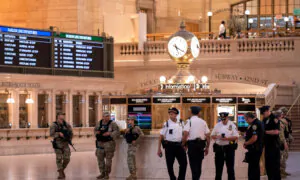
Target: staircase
[{"x": 294, "y": 116}]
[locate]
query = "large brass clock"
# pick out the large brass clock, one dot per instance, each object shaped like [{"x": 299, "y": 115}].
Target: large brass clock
[{"x": 183, "y": 46}]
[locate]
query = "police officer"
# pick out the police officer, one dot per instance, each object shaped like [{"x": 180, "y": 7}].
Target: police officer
[
  {"x": 253, "y": 143},
  {"x": 60, "y": 143},
  {"x": 225, "y": 135},
  {"x": 197, "y": 133},
  {"x": 132, "y": 135},
  {"x": 171, "y": 139},
  {"x": 106, "y": 132},
  {"x": 272, "y": 143}
]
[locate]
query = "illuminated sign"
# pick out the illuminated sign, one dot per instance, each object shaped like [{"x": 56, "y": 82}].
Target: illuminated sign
[
  {"x": 224, "y": 99},
  {"x": 118, "y": 101},
  {"x": 184, "y": 86},
  {"x": 166, "y": 100},
  {"x": 246, "y": 100},
  {"x": 196, "y": 99},
  {"x": 24, "y": 31},
  {"x": 139, "y": 100}
]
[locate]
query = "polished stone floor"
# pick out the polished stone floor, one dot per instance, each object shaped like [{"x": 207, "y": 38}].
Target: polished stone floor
[{"x": 83, "y": 166}]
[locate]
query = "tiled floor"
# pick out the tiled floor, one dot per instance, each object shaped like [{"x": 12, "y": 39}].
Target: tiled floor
[{"x": 83, "y": 166}]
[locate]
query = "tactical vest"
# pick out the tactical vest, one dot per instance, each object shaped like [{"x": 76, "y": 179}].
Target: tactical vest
[
  {"x": 103, "y": 129},
  {"x": 131, "y": 136}
]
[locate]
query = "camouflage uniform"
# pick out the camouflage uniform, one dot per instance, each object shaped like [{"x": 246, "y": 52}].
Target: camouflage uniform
[
  {"x": 62, "y": 152},
  {"x": 284, "y": 152},
  {"x": 131, "y": 151},
  {"x": 105, "y": 150}
]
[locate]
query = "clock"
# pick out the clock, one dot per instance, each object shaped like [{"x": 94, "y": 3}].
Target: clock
[
  {"x": 177, "y": 47},
  {"x": 195, "y": 47}
]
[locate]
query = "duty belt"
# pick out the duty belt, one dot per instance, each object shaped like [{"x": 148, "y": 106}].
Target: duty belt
[{"x": 173, "y": 143}]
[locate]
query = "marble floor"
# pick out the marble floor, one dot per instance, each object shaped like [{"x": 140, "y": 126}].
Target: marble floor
[{"x": 83, "y": 166}]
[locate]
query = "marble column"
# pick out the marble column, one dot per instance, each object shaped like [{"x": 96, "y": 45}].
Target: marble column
[
  {"x": 33, "y": 109},
  {"x": 13, "y": 110},
  {"x": 51, "y": 107},
  {"x": 85, "y": 109},
  {"x": 68, "y": 104}
]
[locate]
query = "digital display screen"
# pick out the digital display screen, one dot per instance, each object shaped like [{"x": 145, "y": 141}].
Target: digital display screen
[
  {"x": 83, "y": 53},
  {"x": 241, "y": 121},
  {"x": 142, "y": 114},
  {"x": 27, "y": 48}
]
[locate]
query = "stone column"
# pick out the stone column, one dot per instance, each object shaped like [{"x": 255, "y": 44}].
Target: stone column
[
  {"x": 68, "y": 104},
  {"x": 85, "y": 109},
  {"x": 99, "y": 107},
  {"x": 52, "y": 106},
  {"x": 13, "y": 110},
  {"x": 33, "y": 109}
]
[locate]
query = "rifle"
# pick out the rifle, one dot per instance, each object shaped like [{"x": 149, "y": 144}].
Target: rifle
[{"x": 67, "y": 137}]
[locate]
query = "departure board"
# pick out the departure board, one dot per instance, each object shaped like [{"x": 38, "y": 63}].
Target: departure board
[
  {"x": 24, "y": 47},
  {"x": 78, "y": 52}
]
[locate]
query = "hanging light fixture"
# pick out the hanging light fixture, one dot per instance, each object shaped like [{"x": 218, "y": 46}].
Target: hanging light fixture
[
  {"x": 9, "y": 100},
  {"x": 28, "y": 99}
]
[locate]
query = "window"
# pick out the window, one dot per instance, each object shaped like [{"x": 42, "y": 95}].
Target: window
[
  {"x": 77, "y": 110},
  {"x": 92, "y": 110},
  {"x": 4, "y": 122},
  {"x": 43, "y": 111},
  {"x": 23, "y": 112}
]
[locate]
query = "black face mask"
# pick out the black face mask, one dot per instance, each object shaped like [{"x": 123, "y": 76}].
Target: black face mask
[{"x": 223, "y": 119}]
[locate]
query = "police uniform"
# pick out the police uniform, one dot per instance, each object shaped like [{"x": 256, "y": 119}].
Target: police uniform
[
  {"x": 255, "y": 149},
  {"x": 272, "y": 146},
  {"x": 172, "y": 132},
  {"x": 61, "y": 145},
  {"x": 105, "y": 145},
  {"x": 133, "y": 134},
  {"x": 197, "y": 130},
  {"x": 224, "y": 149}
]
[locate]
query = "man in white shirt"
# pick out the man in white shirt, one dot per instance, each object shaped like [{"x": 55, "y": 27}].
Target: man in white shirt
[
  {"x": 225, "y": 135},
  {"x": 171, "y": 139},
  {"x": 222, "y": 30},
  {"x": 196, "y": 133}
]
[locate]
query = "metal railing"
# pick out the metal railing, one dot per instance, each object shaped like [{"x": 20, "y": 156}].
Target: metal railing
[{"x": 296, "y": 101}]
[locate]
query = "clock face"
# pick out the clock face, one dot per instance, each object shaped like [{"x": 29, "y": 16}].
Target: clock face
[
  {"x": 177, "y": 47},
  {"x": 195, "y": 47}
]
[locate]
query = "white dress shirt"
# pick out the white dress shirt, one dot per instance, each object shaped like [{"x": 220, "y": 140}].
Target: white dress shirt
[
  {"x": 221, "y": 29},
  {"x": 229, "y": 130},
  {"x": 173, "y": 132},
  {"x": 197, "y": 128}
]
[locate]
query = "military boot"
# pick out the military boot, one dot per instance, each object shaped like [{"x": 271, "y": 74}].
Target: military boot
[
  {"x": 106, "y": 176},
  {"x": 287, "y": 174},
  {"x": 60, "y": 174},
  {"x": 101, "y": 176},
  {"x": 132, "y": 176}
]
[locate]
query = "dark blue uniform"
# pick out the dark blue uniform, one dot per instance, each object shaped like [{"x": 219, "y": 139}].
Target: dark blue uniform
[
  {"x": 272, "y": 148},
  {"x": 254, "y": 150}
]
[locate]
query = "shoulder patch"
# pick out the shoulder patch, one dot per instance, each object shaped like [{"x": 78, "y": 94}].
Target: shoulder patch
[
  {"x": 276, "y": 121},
  {"x": 254, "y": 127}
]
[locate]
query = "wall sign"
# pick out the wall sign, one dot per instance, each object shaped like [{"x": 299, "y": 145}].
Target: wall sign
[
  {"x": 118, "y": 101},
  {"x": 20, "y": 85},
  {"x": 246, "y": 100},
  {"x": 166, "y": 100},
  {"x": 139, "y": 100},
  {"x": 196, "y": 99},
  {"x": 224, "y": 99},
  {"x": 183, "y": 86},
  {"x": 241, "y": 78}
]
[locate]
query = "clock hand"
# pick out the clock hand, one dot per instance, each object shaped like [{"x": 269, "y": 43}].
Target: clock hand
[
  {"x": 178, "y": 48},
  {"x": 198, "y": 46}
]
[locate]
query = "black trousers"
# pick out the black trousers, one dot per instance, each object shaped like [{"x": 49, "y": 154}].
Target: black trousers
[
  {"x": 196, "y": 155},
  {"x": 272, "y": 162},
  {"x": 172, "y": 152},
  {"x": 253, "y": 165},
  {"x": 225, "y": 154}
]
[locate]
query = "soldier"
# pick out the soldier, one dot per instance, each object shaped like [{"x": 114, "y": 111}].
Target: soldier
[
  {"x": 106, "y": 132},
  {"x": 197, "y": 133},
  {"x": 132, "y": 135},
  {"x": 60, "y": 143},
  {"x": 283, "y": 142},
  {"x": 225, "y": 135},
  {"x": 171, "y": 139},
  {"x": 254, "y": 145},
  {"x": 272, "y": 143}
]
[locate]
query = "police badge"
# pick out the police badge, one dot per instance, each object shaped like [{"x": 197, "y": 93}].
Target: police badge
[
  {"x": 254, "y": 127},
  {"x": 230, "y": 128}
]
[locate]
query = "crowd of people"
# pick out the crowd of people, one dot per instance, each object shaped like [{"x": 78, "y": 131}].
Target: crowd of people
[{"x": 191, "y": 138}]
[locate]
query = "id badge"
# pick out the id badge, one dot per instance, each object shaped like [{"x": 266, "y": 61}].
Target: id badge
[{"x": 170, "y": 131}]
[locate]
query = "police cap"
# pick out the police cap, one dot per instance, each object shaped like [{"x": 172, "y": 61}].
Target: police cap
[
  {"x": 264, "y": 109},
  {"x": 250, "y": 115},
  {"x": 173, "y": 109},
  {"x": 195, "y": 109},
  {"x": 60, "y": 113},
  {"x": 223, "y": 114}
]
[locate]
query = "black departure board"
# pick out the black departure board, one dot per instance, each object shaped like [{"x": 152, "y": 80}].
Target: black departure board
[
  {"x": 21, "y": 47},
  {"x": 80, "y": 52}
]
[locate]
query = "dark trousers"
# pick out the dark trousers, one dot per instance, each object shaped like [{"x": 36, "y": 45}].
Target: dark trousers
[
  {"x": 196, "y": 155},
  {"x": 226, "y": 154},
  {"x": 172, "y": 152},
  {"x": 253, "y": 165},
  {"x": 272, "y": 162}
]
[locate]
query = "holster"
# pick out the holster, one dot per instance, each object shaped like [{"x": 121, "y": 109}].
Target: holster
[
  {"x": 234, "y": 145},
  {"x": 246, "y": 160},
  {"x": 199, "y": 142},
  {"x": 54, "y": 144},
  {"x": 217, "y": 148}
]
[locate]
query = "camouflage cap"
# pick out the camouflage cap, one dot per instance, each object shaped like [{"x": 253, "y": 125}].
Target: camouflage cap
[
  {"x": 284, "y": 109},
  {"x": 131, "y": 118},
  {"x": 106, "y": 114},
  {"x": 277, "y": 113}
]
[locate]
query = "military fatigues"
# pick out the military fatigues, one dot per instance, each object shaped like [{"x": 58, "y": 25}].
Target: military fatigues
[
  {"x": 133, "y": 134},
  {"x": 284, "y": 135},
  {"x": 62, "y": 150},
  {"x": 272, "y": 148},
  {"x": 172, "y": 132},
  {"x": 254, "y": 150},
  {"x": 197, "y": 129},
  {"x": 224, "y": 150},
  {"x": 106, "y": 145}
]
